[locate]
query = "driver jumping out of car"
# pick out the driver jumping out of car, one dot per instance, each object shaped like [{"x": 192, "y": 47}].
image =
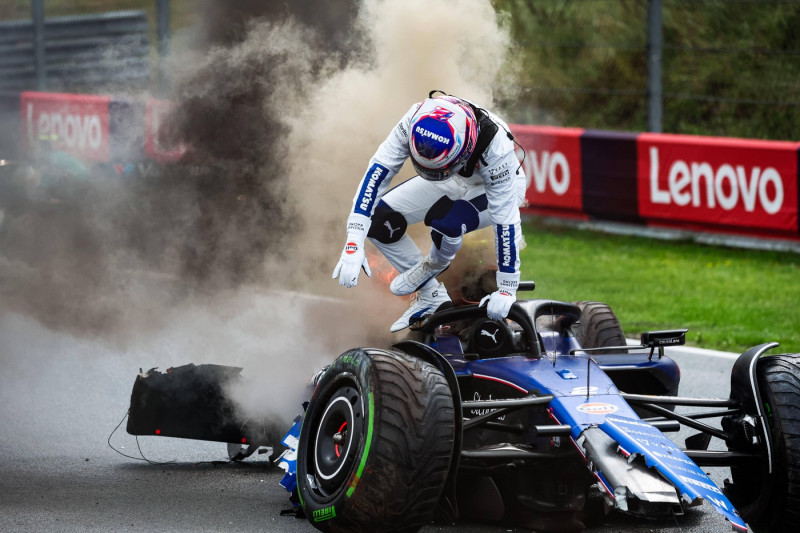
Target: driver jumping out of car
[{"x": 468, "y": 178}]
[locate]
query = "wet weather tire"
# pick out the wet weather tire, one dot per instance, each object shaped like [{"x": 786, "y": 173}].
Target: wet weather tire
[
  {"x": 598, "y": 326},
  {"x": 779, "y": 383},
  {"x": 376, "y": 443}
]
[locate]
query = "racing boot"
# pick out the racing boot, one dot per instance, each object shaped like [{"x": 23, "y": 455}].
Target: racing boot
[
  {"x": 424, "y": 303},
  {"x": 415, "y": 277}
]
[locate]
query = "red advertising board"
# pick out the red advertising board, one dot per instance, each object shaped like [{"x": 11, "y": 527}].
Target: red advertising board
[
  {"x": 551, "y": 158},
  {"x": 725, "y": 182},
  {"x": 155, "y": 147},
  {"x": 73, "y": 123}
]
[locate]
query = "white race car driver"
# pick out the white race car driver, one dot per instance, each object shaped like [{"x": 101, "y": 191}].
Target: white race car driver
[{"x": 468, "y": 178}]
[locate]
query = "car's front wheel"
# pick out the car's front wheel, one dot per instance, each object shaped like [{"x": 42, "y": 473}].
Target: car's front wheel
[
  {"x": 376, "y": 443},
  {"x": 779, "y": 383}
]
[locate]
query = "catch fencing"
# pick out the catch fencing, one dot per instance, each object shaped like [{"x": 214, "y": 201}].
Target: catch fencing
[
  {"x": 712, "y": 67},
  {"x": 77, "y": 53}
]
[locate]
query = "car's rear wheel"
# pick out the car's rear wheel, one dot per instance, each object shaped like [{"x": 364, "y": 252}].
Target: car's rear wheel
[
  {"x": 598, "y": 326},
  {"x": 376, "y": 443},
  {"x": 779, "y": 383}
]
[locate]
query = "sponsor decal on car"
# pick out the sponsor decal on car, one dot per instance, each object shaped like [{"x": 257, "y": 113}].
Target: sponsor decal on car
[
  {"x": 480, "y": 412},
  {"x": 597, "y": 408},
  {"x": 583, "y": 391}
]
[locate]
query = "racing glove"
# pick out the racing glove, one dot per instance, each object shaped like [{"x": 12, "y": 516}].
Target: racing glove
[
  {"x": 353, "y": 259},
  {"x": 499, "y": 302}
]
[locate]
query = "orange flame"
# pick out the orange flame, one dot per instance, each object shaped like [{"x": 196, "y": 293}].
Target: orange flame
[{"x": 382, "y": 271}]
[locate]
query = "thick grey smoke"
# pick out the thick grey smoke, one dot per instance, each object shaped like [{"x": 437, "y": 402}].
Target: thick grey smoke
[{"x": 281, "y": 104}]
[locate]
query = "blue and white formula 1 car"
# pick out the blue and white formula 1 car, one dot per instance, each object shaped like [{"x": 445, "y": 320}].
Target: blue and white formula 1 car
[{"x": 548, "y": 421}]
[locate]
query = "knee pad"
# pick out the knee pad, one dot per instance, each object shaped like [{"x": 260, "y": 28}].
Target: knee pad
[
  {"x": 388, "y": 225},
  {"x": 438, "y": 210},
  {"x": 460, "y": 219}
]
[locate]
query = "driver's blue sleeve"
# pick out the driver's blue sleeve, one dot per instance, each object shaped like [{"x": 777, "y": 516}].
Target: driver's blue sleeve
[{"x": 507, "y": 240}]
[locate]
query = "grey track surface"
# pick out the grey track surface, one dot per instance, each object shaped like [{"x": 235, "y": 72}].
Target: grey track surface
[{"x": 58, "y": 473}]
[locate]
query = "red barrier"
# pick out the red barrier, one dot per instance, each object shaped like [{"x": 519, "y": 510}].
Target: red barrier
[
  {"x": 551, "y": 158},
  {"x": 154, "y": 145},
  {"x": 729, "y": 185},
  {"x": 73, "y": 123},
  {"x": 736, "y": 183}
]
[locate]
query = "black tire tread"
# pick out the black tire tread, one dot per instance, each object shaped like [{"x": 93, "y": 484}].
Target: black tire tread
[
  {"x": 599, "y": 326},
  {"x": 779, "y": 379}
]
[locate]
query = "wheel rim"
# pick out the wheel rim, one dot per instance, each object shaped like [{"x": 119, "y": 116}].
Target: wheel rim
[{"x": 337, "y": 439}]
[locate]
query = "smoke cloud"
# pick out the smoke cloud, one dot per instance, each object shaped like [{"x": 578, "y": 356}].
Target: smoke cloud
[{"x": 281, "y": 105}]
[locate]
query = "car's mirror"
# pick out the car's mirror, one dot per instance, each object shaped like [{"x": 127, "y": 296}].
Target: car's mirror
[{"x": 660, "y": 339}]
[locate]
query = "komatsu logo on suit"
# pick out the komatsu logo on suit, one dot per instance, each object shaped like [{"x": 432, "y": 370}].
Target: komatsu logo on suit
[
  {"x": 506, "y": 239},
  {"x": 506, "y": 246},
  {"x": 425, "y": 133},
  {"x": 366, "y": 195}
]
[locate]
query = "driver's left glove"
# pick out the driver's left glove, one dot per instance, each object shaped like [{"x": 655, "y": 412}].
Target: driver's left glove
[{"x": 500, "y": 301}]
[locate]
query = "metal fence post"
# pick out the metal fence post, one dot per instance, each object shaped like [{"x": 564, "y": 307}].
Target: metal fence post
[
  {"x": 655, "y": 96},
  {"x": 37, "y": 13},
  {"x": 162, "y": 31}
]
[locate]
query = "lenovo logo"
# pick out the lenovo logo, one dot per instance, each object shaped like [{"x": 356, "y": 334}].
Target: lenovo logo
[
  {"x": 726, "y": 186},
  {"x": 77, "y": 124},
  {"x": 73, "y": 131},
  {"x": 551, "y": 160},
  {"x": 549, "y": 170}
]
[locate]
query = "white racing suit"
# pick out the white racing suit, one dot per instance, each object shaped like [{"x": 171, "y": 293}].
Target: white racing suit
[{"x": 453, "y": 207}]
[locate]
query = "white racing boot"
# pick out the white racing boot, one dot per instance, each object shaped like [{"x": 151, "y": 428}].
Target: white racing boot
[
  {"x": 423, "y": 303},
  {"x": 415, "y": 277}
]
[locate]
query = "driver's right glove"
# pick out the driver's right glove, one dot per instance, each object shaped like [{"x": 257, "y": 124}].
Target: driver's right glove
[
  {"x": 499, "y": 303},
  {"x": 353, "y": 258}
]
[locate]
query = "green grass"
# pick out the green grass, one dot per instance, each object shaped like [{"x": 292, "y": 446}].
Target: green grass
[{"x": 730, "y": 299}]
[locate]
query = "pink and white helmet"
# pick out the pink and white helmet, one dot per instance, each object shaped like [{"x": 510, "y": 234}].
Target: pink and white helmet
[{"x": 443, "y": 135}]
